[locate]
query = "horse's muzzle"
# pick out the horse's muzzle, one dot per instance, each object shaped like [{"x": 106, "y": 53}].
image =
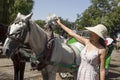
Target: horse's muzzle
[{"x": 7, "y": 52}]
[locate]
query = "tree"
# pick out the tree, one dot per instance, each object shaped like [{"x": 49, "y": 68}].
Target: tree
[
  {"x": 10, "y": 8},
  {"x": 66, "y": 23},
  {"x": 4, "y": 10},
  {"x": 41, "y": 23},
  {"x": 22, "y": 6},
  {"x": 106, "y": 12}
]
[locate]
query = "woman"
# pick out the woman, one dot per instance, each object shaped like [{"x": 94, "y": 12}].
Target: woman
[{"x": 92, "y": 65}]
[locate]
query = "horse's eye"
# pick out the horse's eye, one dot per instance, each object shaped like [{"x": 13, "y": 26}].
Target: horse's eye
[
  {"x": 20, "y": 23},
  {"x": 16, "y": 23}
]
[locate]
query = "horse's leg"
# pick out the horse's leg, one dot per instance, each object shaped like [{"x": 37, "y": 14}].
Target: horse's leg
[
  {"x": 51, "y": 73},
  {"x": 45, "y": 74},
  {"x": 48, "y": 73},
  {"x": 75, "y": 75},
  {"x": 16, "y": 71},
  {"x": 22, "y": 69}
]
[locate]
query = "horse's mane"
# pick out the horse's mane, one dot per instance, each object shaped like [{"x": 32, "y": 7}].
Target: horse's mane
[{"x": 36, "y": 28}]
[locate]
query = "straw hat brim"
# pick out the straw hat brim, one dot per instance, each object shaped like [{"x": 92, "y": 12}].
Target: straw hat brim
[{"x": 96, "y": 31}]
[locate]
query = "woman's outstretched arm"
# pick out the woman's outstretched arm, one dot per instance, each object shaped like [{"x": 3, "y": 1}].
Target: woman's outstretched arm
[{"x": 72, "y": 33}]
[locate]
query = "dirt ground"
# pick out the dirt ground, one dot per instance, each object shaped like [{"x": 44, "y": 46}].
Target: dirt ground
[
  {"x": 6, "y": 69},
  {"x": 114, "y": 69}
]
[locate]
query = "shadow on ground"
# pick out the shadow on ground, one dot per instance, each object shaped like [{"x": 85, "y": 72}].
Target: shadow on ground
[
  {"x": 112, "y": 65},
  {"x": 112, "y": 76}
]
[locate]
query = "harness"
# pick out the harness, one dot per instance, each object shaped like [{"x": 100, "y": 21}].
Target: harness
[
  {"x": 19, "y": 50},
  {"x": 45, "y": 56},
  {"x": 44, "y": 59}
]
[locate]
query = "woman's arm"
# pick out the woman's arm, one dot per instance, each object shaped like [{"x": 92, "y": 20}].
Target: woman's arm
[
  {"x": 72, "y": 33},
  {"x": 102, "y": 64}
]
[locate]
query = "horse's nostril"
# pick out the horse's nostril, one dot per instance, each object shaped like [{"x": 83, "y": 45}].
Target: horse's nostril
[{"x": 7, "y": 50}]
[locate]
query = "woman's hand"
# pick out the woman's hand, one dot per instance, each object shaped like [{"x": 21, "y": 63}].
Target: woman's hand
[
  {"x": 71, "y": 32},
  {"x": 58, "y": 21}
]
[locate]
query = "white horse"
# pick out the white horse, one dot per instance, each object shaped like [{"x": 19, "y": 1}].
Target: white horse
[{"x": 23, "y": 31}]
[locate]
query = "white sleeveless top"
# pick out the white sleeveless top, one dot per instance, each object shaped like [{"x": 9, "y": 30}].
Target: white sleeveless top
[{"x": 88, "y": 69}]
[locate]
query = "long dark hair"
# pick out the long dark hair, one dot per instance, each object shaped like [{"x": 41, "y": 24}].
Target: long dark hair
[{"x": 102, "y": 42}]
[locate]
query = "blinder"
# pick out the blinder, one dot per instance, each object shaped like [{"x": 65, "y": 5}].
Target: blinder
[
  {"x": 19, "y": 38},
  {"x": 19, "y": 35}
]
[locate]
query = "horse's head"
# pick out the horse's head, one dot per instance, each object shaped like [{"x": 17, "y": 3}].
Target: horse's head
[{"x": 16, "y": 34}]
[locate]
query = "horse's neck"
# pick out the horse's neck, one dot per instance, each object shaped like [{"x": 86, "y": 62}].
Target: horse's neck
[{"x": 37, "y": 38}]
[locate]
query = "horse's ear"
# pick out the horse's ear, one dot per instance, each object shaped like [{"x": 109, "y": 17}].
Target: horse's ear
[
  {"x": 18, "y": 14},
  {"x": 28, "y": 16}
]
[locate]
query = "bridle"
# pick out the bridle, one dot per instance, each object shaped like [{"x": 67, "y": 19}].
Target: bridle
[{"x": 21, "y": 34}]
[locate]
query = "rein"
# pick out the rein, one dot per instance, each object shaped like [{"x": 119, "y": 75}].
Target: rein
[
  {"x": 47, "y": 52},
  {"x": 45, "y": 56},
  {"x": 20, "y": 42},
  {"x": 45, "y": 59},
  {"x": 22, "y": 31}
]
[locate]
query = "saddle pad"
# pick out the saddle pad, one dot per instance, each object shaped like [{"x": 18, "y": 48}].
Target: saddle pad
[
  {"x": 71, "y": 40},
  {"x": 77, "y": 47}
]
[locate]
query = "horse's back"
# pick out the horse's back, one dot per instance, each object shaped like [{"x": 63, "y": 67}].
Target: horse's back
[
  {"x": 77, "y": 47},
  {"x": 62, "y": 52},
  {"x": 66, "y": 54}
]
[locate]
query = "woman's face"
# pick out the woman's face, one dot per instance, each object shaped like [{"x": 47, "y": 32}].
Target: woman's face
[{"x": 93, "y": 35}]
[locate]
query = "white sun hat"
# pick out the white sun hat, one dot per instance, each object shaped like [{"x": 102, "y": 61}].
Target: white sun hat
[{"x": 99, "y": 29}]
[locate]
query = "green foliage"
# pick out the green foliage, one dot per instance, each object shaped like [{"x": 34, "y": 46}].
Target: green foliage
[
  {"x": 22, "y": 6},
  {"x": 66, "y": 23},
  {"x": 4, "y": 10},
  {"x": 106, "y": 12},
  {"x": 10, "y": 8},
  {"x": 41, "y": 23}
]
